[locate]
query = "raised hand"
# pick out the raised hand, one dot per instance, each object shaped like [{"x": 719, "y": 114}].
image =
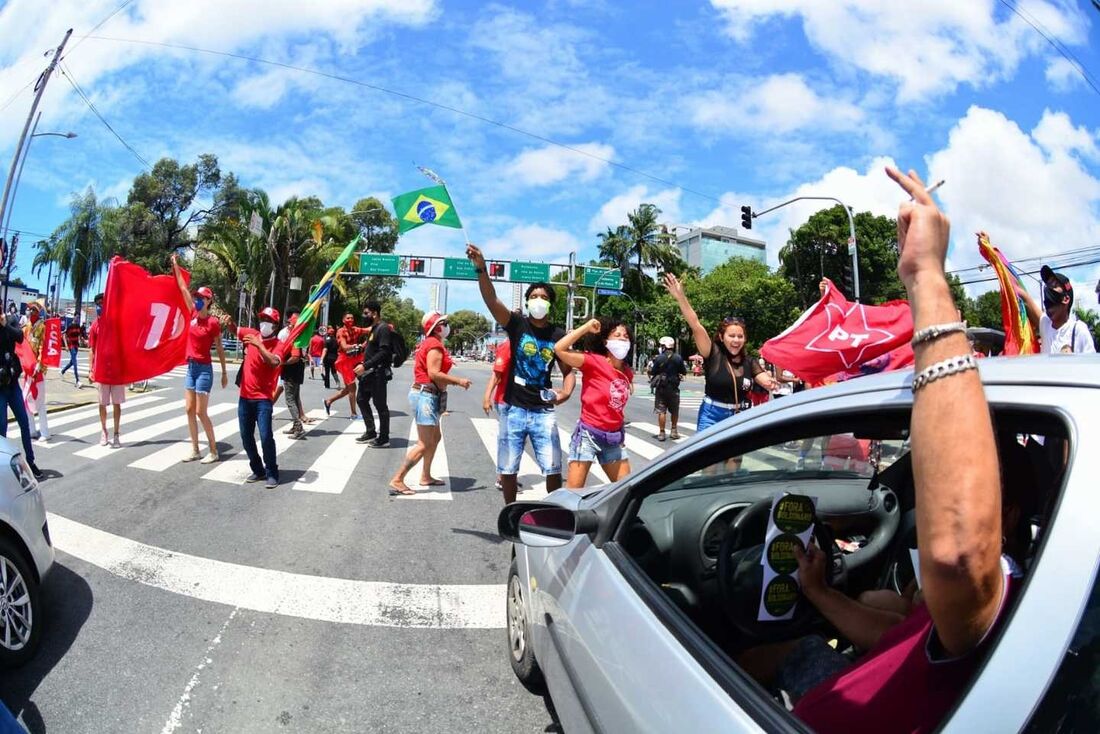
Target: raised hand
[
  {"x": 674, "y": 286},
  {"x": 923, "y": 230},
  {"x": 594, "y": 326},
  {"x": 473, "y": 252}
]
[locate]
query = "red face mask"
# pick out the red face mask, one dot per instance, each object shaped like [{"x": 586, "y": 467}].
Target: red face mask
[
  {"x": 349, "y": 322},
  {"x": 33, "y": 316}
]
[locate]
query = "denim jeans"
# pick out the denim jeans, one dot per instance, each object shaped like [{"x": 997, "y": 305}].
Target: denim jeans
[
  {"x": 72, "y": 363},
  {"x": 251, "y": 413},
  {"x": 519, "y": 424},
  {"x": 11, "y": 396}
]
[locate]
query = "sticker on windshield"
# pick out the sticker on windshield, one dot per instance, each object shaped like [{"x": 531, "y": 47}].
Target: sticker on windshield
[{"x": 790, "y": 527}]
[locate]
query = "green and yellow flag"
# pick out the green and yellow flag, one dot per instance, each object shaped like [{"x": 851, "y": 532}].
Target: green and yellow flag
[{"x": 425, "y": 206}]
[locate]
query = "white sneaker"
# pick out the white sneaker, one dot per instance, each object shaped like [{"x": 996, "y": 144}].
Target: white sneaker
[
  {"x": 116, "y": 444},
  {"x": 103, "y": 440},
  {"x": 193, "y": 456},
  {"x": 209, "y": 459}
]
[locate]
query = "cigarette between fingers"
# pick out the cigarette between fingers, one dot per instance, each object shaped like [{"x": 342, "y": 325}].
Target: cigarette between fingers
[{"x": 933, "y": 187}]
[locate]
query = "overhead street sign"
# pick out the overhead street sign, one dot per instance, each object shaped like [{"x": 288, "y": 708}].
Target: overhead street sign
[
  {"x": 603, "y": 278},
  {"x": 459, "y": 268},
  {"x": 373, "y": 263},
  {"x": 608, "y": 292},
  {"x": 524, "y": 272}
]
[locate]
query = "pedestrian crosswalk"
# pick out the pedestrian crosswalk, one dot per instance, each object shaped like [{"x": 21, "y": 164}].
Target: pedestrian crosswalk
[{"x": 329, "y": 462}]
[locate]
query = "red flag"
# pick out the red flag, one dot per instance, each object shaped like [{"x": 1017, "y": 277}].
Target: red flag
[
  {"x": 142, "y": 331},
  {"x": 835, "y": 335},
  {"x": 31, "y": 375},
  {"x": 51, "y": 342}
]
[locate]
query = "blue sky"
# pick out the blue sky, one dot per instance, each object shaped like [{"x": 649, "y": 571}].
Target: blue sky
[{"x": 738, "y": 101}]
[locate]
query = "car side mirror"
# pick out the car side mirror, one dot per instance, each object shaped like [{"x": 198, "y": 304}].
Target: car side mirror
[{"x": 543, "y": 524}]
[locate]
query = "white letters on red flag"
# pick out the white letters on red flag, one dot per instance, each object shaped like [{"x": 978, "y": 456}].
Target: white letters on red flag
[
  {"x": 142, "y": 330},
  {"x": 51, "y": 343},
  {"x": 837, "y": 336}
]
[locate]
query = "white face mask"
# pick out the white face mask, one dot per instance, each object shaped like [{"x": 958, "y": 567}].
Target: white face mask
[
  {"x": 619, "y": 348},
  {"x": 538, "y": 308},
  {"x": 444, "y": 331},
  {"x": 266, "y": 329}
]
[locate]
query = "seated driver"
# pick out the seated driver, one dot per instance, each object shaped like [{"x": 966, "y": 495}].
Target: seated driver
[{"x": 917, "y": 666}]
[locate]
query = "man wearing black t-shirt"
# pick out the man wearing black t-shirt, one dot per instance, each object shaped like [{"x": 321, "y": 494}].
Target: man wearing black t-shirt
[
  {"x": 529, "y": 397},
  {"x": 666, "y": 372},
  {"x": 374, "y": 374}
]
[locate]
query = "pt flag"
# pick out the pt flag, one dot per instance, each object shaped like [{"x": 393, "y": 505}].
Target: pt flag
[
  {"x": 838, "y": 336},
  {"x": 425, "y": 206},
  {"x": 51, "y": 343},
  {"x": 1020, "y": 338},
  {"x": 142, "y": 331},
  {"x": 301, "y": 332},
  {"x": 31, "y": 376}
]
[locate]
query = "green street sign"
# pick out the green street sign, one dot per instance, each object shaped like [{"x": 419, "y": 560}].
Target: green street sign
[
  {"x": 603, "y": 278},
  {"x": 373, "y": 263},
  {"x": 458, "y": 268},
  {"x": 529, "y": 272}
]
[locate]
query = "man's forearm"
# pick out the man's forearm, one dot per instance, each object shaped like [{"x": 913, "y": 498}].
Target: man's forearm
[{"x": 860, "y": 624}]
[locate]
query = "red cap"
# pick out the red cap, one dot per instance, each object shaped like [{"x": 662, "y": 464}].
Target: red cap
[
  {"x": 431, "y": 320},
  {"x": 271, "y": 314},
  {"x": 205, "y": 293}
]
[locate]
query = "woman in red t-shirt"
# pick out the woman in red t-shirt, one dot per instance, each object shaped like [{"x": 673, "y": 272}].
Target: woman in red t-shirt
[
  {"x": 607, "y": 385},
  {"x": 203, "y": 332},
  {"x": 350, "y": 338},
  {"x": 427, "y": 399}
]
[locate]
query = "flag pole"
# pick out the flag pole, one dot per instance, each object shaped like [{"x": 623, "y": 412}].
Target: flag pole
[{"x": 439, "y": 180}]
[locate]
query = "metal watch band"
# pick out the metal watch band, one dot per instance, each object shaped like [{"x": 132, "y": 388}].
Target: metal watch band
[{"x": 935, "y": 331}]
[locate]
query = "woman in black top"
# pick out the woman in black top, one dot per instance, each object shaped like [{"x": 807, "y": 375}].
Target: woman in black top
[
  {"x": 10, "y": 393},
  {"x": 328, "y": 359},
  {"x": 729, "y": 369}
]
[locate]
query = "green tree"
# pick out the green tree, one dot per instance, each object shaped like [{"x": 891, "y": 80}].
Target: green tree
[
  {"x": 987, "y": 311},
  {"x": 78, "y": 247},
  {"x": 745, "y": 288},
  {"x": 467, "y": 329},
  {"x": 823, "y": 242},
  {"x": 641, "y": 242},
  {"x": 1089, "y": 318},
  {"x": 405, "y": 317}
]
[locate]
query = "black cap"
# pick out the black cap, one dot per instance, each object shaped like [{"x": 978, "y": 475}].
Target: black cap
[{"x": 1055, "y": 282}]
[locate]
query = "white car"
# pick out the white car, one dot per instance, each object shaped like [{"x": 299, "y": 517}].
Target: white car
[{"x": 26, "y": 556}]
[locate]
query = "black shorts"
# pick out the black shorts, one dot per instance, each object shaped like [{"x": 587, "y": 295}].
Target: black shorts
[{"x": 667, "y": 399}]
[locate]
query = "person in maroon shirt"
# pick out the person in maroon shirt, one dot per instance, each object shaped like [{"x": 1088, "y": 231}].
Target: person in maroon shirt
[
  {"x": 916, "y": 667},
  {"x": 203, "y": 332},
  {"x": 72, "y": 341}
]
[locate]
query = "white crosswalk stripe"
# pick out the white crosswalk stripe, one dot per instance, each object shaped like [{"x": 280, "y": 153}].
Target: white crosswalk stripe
[
  {"x": 93, "y": 428},
  {"x": 64, "y": 418},
  {"x": 652, "y": 429},
  {"x": 236, "y": 470},
  {"x": 440, "y": 470},
  {"x": 329, "y": 473},
  {"x": 534, "y": 484},
  {"x": 171, "y": 455},
  {"x": 148, "y": 432}
]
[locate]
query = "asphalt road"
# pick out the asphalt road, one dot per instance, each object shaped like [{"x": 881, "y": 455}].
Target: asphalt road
[{"x": 186, "y": 600}]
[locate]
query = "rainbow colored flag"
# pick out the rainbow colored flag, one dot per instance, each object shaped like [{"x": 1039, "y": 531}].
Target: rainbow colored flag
[
  {"x": 301, "y": 332},
  {"x": 1020, "y": 337}
]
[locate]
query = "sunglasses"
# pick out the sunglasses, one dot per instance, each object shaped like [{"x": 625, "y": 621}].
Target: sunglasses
[{"x": 730, "y": 320}]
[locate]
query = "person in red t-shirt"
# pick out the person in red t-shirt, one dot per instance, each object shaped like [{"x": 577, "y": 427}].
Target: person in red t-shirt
[
  {"x": 494, "y": 390},
  {"x": 350, "y": 338},
  {"x": 606, "y": 386},
  {"x": 259, "y": 379},
  {"x": 113, "y": 395},
  {"x": 316, "y": 348},
  {"x": 427, "y": 399},
  {"x": 203, "y": 332},
  {"x": 72, "y": 341}
]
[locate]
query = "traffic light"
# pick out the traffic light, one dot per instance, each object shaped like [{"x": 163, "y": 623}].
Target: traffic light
[
  {"x": 496, "y": 270},
  {"x": 746, "y": 217},
  {"x": 849, "y": 283},
  {"x": 416, "y": 265}
]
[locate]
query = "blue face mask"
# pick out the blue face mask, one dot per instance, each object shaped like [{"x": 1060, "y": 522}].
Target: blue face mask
[{"x": 199, "y": 303}]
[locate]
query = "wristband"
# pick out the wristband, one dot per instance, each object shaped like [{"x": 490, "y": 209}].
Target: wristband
[
  {"x": 946, "y": 368},
  {"x": 935, "y": 331}
]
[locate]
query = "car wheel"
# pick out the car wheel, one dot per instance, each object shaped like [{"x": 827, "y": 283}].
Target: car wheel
[
  {"x": 20, "y": 608},
  {"x": 520, "y": 653}
]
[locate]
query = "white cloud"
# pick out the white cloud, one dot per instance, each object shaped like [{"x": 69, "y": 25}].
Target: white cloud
[
  {"x": 927, "y": 48},
  {"x": 553, "y": 164},
  {"x": 614, "y": 211},
  {"x": 532, "y": 242},
  {"x": 777, "y": 104},
  {"x": 1062, "y": 75}
]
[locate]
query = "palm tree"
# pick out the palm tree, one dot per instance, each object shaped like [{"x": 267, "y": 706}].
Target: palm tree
[{"x": 78, "y": 246}]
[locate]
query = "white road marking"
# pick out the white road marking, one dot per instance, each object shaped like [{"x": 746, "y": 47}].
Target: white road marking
[
  {"x": 93, "y": 428},
  {"x": 144, "y": 434},
  {"x": 652, "y": 429},
  {"x": 66, "y": 417},
  {"x": 529, "y": 473},
  {"x": 332, "y": 470},
  {"x": 596, "y": 475},
  {"x": 347, "y": 601},
  {"x": 440, "y": 470},
  {"x": 171, "y": 455},
  {"x": 175, "y": 719},
  {"x": 641, "y": 447},
  {"x": 235, "y": 470}
]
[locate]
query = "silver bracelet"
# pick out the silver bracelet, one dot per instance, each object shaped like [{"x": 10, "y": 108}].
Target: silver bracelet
[
  {"x": 946, "y": 368},
  {"x": 935, "y": 331}
]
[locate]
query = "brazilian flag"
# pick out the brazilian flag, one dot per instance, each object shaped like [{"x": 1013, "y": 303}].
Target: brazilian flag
[{"x": 425, "y": 206}]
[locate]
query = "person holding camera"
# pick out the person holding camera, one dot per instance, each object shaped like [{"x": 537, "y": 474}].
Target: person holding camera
[
  {"x": 350, "y": 338},
  {"x": 11, "y": 396},
  {"x": 374, "y": 375}
]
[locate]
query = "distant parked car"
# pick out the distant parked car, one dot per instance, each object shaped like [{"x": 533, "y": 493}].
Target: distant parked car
[{"x": 26, "y": 556}]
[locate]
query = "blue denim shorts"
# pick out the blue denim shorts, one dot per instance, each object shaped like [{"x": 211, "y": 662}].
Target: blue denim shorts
[
  {"x": 587, "y": 446},
  {"x": 425, "y": 407},
  {"x": 200, "y": 377},
  {"x": 519, "y": 424},
  {"x": 709, "y": 414}
]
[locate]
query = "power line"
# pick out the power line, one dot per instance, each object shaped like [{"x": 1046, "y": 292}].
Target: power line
[
  {"x": 100, "y": 24},
  {"x": 419, "y": 100},
  {"x": 68, "y": 76},
  {"x": 1048, "y": 257},
  {"x": 1056, "y": 45},
  {"x": 1065, "y": 266}
]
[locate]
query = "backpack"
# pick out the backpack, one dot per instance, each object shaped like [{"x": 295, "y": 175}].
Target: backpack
[{"x": 400, "y": 347}]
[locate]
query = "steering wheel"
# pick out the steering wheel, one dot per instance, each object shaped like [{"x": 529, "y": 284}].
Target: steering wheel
[{"x": 741, "y": 576}]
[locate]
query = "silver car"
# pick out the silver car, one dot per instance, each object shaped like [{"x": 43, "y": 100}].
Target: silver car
[
  {"x": 26, "y": 556},
  {"x": 631, "y": 603}
]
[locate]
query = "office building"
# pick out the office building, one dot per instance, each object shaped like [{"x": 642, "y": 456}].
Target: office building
[
  {"x": 708, "y": 247},
  {"x": 438, "y": 299}
]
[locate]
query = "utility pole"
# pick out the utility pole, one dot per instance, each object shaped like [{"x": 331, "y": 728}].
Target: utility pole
[{"x": 39, "y": 89}]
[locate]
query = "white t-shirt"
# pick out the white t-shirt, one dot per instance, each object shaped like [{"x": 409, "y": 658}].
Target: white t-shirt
[{"x": 1056, "y": 341}]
